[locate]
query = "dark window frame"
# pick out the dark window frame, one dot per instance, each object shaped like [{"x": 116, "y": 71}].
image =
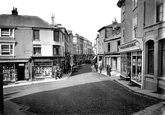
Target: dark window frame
[
  {"x": 159, "y": 13},
  {"x": 150, "y": 57},
  {"x": 109, "y": 47},
  {"x": 56, "y": 36},
  {"x": 36, "y": 35}
]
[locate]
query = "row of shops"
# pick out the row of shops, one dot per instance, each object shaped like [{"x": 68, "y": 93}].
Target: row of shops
[
  {"x": 27, "y": 69},
  {"x": 36, "y": 67},
  {"x": 128, "y": 61},
  {"x": 139, "y": 61}
]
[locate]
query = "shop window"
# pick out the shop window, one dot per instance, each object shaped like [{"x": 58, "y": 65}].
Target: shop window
[
  {"x": 7, "y": 49},
  {"x": 163, "y": 57},
  {"x": 160, "y": 11},
  {"x": 137, "y": 66},
  {"x": 109, "y": 47},
  {"x": 37, "y": 50},
  {"x": 150, "y": 57},
  {"x": 123, "y": 63},
  {"x": 36, "y": 35},
  {"x": 56, "y": 36},
  {"x": 7, "y": 32}
]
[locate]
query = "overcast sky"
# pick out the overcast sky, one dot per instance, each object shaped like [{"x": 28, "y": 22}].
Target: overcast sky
[{"x": 84, "y": 17}]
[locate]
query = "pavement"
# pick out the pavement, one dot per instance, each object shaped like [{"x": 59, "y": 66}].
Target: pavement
[{"x": 11, "y": 108}]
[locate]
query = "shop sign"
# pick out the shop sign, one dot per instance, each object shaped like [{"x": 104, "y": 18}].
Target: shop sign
[
  {"x": 128, "y": 46},
  {"x": 21, "y": 64},
  {"x": 13, "y": 60},
  {"x": 135, "y": 45}
]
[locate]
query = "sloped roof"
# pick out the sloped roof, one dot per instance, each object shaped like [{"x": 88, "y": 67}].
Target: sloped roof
[
  {"x": 108, "y": 26},
  {"x": 23, "y": 21}
]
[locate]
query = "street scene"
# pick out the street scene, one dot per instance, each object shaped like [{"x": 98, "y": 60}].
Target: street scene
[
  {"x": 82, "y": 57},
  {"x": 84, "y": 92}
]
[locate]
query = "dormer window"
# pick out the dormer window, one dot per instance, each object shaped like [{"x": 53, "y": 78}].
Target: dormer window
[{"x": 7, "y": 32}]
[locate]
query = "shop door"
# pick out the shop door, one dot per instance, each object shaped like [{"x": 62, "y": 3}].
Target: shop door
[{"x": 21, "y": 71}]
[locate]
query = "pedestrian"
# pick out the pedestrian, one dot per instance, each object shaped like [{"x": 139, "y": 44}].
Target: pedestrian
[
  {"x": 110, "y": 68},
  {"x": 107, "y": 69},
  {"x": 55, "y": 72},
  {"x": 69, "y": 67},
  {"x": 96, "y": 67},
  {"x": 100, "y": 67}
]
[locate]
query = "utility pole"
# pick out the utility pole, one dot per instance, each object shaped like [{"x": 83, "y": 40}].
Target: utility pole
[{"x": 1, "y": 92}]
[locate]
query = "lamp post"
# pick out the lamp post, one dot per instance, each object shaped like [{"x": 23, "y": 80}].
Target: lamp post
[{"x": 1, "y": 92}]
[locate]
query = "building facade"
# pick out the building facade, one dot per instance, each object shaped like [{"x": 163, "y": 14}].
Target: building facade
[
  {"x": 147, "y": 33},
  {"x": 131, "y": 48},
  {"x": 111, "y": 44},
  {"x": 29, "y": 46},
  {"x": 154, "y": 45}
]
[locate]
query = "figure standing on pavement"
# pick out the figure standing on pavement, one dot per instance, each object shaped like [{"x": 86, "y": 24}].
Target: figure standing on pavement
[
  {"x": 96, "y": 67},
  {"x": 100, "y": 68},
  {"x": 107, "y": 69},
  {"x": 110, "y": 68}
]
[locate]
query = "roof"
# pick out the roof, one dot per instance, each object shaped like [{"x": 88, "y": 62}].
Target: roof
[
  {"x": 108, "y": 26},
  {"x": 23, "y": 21},
  {"x": 120, "y": 3}
]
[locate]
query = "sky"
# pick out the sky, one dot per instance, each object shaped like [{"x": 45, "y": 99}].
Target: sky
[{"x": 84, "y": 17}]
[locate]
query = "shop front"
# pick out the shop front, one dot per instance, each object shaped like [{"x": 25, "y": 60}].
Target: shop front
[
  {"x": 43, "y": 66},
  {"x": 131, "y": 61},
  {"x": 15, "y": 70},
  {"x": 113, "y": 61}
]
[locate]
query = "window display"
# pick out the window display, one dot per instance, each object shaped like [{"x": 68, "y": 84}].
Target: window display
[
  {"x": 9, "y": 72},
  {"x": 136, "y": 67},
  {"x": 42, "y": 69}
]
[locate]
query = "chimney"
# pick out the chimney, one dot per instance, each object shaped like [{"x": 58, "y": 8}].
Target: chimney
[
  {"x": 14, "y": 11},
  {"x": 53, "y": 22}
]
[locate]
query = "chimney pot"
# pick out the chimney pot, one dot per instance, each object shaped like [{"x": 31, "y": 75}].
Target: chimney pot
[{"x": 14, "y": 11}]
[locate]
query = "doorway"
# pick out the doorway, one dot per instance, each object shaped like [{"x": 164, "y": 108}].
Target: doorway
[{"x": 21, "y": 71}]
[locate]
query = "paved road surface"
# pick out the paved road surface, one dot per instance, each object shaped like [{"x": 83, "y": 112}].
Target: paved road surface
[{"x": 85, "y": 92}]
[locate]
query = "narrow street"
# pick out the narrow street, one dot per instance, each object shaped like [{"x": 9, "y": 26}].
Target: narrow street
[{"x": 84, "y": 92}]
